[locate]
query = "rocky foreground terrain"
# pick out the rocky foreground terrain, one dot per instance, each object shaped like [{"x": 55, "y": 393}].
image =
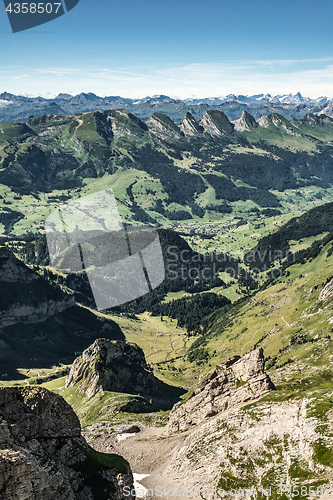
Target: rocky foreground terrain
[
  {"x": 327, "y": 292},
  {"x": 260, "y": 447},
  {"x": 252, "y": 440},
  {"x": 44, "y": 456},
  {"x": 234, "y": 434}
]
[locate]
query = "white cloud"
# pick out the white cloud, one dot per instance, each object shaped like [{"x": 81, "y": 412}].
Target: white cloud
[{"x": 311, "y": 77}]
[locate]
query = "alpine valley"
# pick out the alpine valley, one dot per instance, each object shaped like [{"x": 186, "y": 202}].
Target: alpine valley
[{"x": 219, "y": 382}]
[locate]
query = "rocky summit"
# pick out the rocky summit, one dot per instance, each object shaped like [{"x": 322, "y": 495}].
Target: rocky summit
[
  {"x": 232, "y": 383},
  {"x": 112, "y": 366},
  {"x": 44, "y": 456}
]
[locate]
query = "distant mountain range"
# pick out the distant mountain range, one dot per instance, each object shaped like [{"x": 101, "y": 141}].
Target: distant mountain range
[{"x": 14, "y": 108}]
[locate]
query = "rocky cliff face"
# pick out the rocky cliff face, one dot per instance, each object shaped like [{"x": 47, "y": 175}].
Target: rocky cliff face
[
  {"x": 245, "y": 123},
  {"x": 232, "y": 383},
  {"x": 11, "y": 269},
  {"x": 327, "y": 291},
  {"x": 260, "y": 448},
  {"x": 216, "y": 123},
  {"x": 28, "y": 314},
  {"x": 112, "y": 366},
  {"x": 278, "y": 121},
  {"x": 189, "y": 126},
  {"x": 163, "y": 127},
  {"x": 45, "y": 457},
  {"x": 25, "y": 296},
  {"x": 121, "y": 123},
  {"x": 39, "y": 321}
]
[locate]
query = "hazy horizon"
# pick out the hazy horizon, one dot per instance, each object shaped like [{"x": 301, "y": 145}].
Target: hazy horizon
[{"x": 174, "y": 97}]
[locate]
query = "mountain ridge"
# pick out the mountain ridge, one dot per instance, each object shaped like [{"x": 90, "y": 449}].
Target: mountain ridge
[
  {"x": 19, "y": 108},
  {"x": 171, "y": 172}
]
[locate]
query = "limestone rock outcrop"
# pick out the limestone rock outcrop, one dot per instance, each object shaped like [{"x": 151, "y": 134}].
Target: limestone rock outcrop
[
  {"x": 44, "y": 456},
  {"x": 164, "y": 128},
  {"x": 112, "y": 366},
  {"x": 245, "y": 123},
  {"x": 189, "y": 126},
  {"x": 119, "y": 123},
  {"x": 327, "y": 291},
  {"x": 40, "y": 320},
  {"x": 234, "y": 382},
  {"x": 216, "y": 123},
  {"x": 249, "y": 445},
  {"x": 12, "y": 269},
  {"x": 278, "y": 121}
]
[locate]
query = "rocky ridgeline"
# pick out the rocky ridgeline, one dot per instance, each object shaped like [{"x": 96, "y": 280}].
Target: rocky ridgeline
[
  {"x": 215, "y": 123},
  {"x": 44, "y": 456},
  {"x": 245, "y": 123},
  {"x": 112, "y": 366},
  {"x": 189, "y": 126},
  {"x": 163, "y": 127},
  {"x": 232, "y": 383}
]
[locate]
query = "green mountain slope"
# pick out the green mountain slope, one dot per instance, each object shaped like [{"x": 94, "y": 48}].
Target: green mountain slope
[
  {"x": 160, "y": 172},
  {"x": 277, "y": 245},
  {"x": 291, "y": 319}
]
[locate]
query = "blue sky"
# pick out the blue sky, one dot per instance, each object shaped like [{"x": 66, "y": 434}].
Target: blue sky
[{"x": 180, "y": 48}]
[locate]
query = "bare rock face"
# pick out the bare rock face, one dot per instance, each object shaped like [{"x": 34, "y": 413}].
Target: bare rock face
[
  {"x": 216, "y": 123},
  {"x": 112, "y": 365},
  {"x": 24, "y": 295},
  {"x": 189, "y": 126},
  {"x": 44, "y": 456},
  {"x": 120, "y": 123},
  {"x": 327, "y": 291},
  {"x": 245, "y": 123},
  {"x": 273, "y": 436},
  {"x": 234, "y": 382},
  {"x": 278, "y": 121},
  {"x": 39, "y": 319},
  {"x": 32, "y": 413},
  {"x": 164, "y": 128},
  {"x": 11, "y": 269}
]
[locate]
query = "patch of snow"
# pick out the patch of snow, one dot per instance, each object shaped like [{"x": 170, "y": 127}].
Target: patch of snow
[
  {"x": 5, "y": 103},
  {"x": 140, "y": 491},
  {"x": 125, "y": 435}
]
